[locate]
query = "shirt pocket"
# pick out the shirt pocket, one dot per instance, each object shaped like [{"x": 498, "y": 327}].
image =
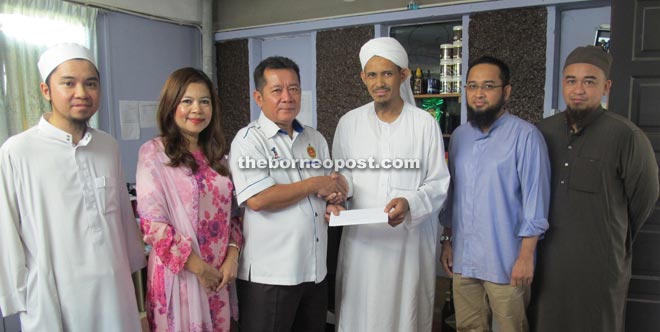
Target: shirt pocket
[
  {"x": 585, "y": 175},
  {"x": 405, "y": 179},
  {"x": 107, "y": 195}
]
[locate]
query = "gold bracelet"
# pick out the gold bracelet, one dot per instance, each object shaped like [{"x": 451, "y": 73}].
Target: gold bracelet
[{"x": 235, "y": 246}]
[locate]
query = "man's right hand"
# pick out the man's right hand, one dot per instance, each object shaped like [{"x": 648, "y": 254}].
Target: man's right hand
[
  {"x": 333, "y": 188},
  {"x": 446, "y": 258}
]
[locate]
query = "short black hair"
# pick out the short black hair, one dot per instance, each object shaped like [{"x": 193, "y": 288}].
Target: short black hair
[
  {"x": 273, "y": 62},
  {"x": 505, "y": 74}
]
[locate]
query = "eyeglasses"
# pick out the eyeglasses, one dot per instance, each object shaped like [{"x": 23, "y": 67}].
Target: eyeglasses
[{"x": 485, "y": 87}]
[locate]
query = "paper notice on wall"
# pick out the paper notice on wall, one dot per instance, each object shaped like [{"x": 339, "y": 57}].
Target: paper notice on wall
[
  {"x": 306, "y": 115},
  {"x": 148, "y": 110},
  {"x": 129, "y": 119}
]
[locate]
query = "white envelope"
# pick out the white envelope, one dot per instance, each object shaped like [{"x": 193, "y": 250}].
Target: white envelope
[{"x": 358, "y": 217}]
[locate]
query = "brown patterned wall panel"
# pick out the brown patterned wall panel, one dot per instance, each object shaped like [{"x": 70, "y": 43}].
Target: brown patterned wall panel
[
  {"x": 339, "y": 88},
  {"x": 233, "y": 85},
  {"x": 518, "y": 37}
]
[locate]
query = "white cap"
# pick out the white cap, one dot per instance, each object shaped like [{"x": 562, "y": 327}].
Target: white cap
[
  {"x": 55, "y": 55},
  {"x": 390, "y": 49},
  {"x": 384, "y": 47}
]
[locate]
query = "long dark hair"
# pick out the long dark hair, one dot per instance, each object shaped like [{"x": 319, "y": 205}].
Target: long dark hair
[{"x": 211, "y": 139}]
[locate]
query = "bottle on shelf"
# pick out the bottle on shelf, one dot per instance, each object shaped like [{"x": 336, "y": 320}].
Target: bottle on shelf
[
  {"x": 458, "y": 33},
  {"x": 418, "y": 82},
  {"x": 432, "y": 84},
  {"x": 447, "y": 123},
  {"x": 444, "y": 84}
]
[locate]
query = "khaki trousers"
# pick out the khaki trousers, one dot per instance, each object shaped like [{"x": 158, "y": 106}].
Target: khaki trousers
[{"x": 477, "y": 302}]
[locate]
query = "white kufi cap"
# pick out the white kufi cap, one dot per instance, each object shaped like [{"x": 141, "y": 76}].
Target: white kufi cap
[
  {"x": 55, "y": 55},
  {"x": 390, "y": 49}
]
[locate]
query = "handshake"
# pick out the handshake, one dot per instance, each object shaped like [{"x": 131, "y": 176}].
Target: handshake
[{"x": 332, "y": 188}]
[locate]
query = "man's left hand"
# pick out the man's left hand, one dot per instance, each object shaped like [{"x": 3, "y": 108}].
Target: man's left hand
[
  {"x": 396, "y": 211},
  {"x": 332, "y": 209}
]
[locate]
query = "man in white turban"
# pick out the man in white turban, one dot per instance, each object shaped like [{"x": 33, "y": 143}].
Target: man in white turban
[
  {"x": 68, "y": 236},
  {"x": 386, "y": 272}
]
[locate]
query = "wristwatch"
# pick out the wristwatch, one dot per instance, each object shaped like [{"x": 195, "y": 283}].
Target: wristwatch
[{"x": 444, "y": 238}]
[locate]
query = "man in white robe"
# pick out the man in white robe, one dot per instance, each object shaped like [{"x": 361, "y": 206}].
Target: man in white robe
[
  {"x": 386, "y": 272},
  {"x": 68, "y": 237}
]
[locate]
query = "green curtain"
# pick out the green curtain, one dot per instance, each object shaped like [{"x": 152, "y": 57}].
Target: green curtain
[{"x": 28, "y": 27}]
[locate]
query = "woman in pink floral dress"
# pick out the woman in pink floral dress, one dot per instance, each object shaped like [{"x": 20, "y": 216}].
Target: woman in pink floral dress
[{"x": 185, "y": 207}]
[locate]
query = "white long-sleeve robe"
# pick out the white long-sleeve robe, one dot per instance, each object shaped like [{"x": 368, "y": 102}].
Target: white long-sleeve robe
[
  {"x": 386, "y": 275},
  {"x": 68, "y": 237}
]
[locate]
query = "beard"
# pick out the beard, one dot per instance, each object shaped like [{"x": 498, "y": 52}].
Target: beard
[
  {"x": 383, "y": 102},
  {"x": 485, "y": 118},
  {"x": 576, "y": 116},
  {"x": 77, "y": 122},
  {"x": 81, "y": 123}
]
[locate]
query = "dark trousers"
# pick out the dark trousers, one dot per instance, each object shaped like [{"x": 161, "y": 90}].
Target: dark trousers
[{"x": 275, "y": 308}]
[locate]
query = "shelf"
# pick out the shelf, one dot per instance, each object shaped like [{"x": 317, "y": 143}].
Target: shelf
[{"x": 440, "y": 95}]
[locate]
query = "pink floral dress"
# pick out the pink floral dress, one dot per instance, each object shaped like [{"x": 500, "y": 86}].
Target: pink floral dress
[{"x": 180, "y": 213}]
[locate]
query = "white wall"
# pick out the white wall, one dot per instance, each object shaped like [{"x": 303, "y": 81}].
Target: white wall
[
  {"x": 187, "y": 11},
  {"x": 240, "y": 14},
  {"x": 135, "y": 57},
  {"x": 300, "y": 48}
]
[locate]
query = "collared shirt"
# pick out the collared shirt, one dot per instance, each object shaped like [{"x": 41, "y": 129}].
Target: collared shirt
[
  {"x": 605, "y": 185},
  {"x": 500, "y": 193},
  {"x": 68, "y": 236},
  {"x": 385, "y": 274},
  {"x": 286, "y": 246}
]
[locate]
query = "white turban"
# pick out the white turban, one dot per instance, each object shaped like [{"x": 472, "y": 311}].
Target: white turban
[
  {"x": 55, "y": 55},
  {"x": 390, "y": 49}
]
